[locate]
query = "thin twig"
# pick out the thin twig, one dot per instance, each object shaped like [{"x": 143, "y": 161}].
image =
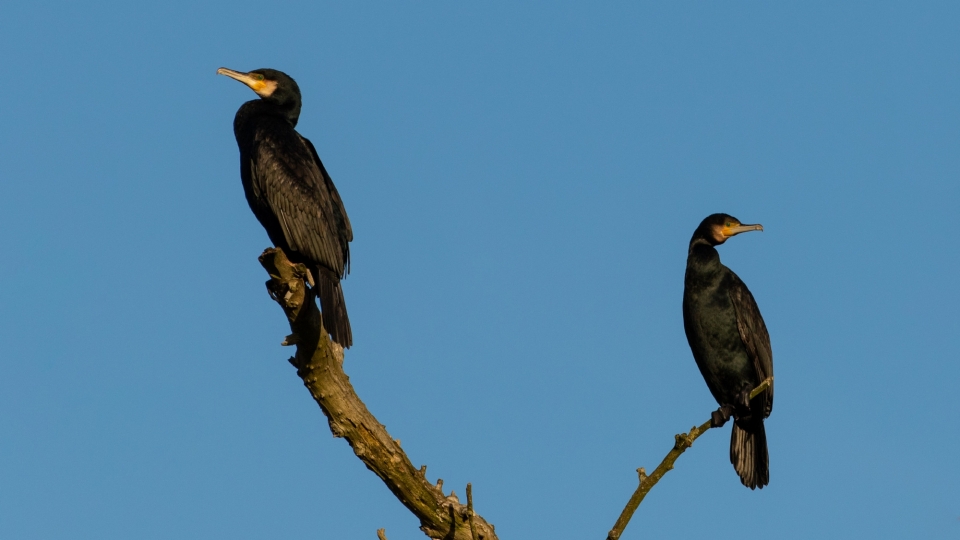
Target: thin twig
[
  {"x": 681, "y": 443},
  {"x": 382, "y": 534},
  {"x": 761, "y": 387}
]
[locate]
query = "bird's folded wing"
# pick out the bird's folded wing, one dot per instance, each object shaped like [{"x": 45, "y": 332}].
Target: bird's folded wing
[
  {"x": 344, "y": 229},
  {"x": 289, "y": 178},
  {"x": 755, "y": 338}
]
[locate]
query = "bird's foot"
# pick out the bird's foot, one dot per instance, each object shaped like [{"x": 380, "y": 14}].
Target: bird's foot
[{"x": 720, "y": 416}]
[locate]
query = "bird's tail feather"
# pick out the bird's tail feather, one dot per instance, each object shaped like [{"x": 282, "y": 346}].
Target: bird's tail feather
[
  {"x": 748, "y": 454},
  {"x": 334, "y": 310}
]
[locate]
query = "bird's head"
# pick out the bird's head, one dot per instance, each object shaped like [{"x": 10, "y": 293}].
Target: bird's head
[
  {"x": 267, "y": 83},
  {"x": 716, "y": 228}
]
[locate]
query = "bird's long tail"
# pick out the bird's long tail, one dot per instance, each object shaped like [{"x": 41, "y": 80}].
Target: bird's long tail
[
  {"x": 334, "y": 309},
  {"x": 748, "y": 453}
]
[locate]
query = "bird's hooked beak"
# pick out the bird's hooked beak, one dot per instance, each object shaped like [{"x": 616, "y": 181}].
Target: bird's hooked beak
[
  {"x": 727, "y": 232},
  {"x": 256, "y": 82}
]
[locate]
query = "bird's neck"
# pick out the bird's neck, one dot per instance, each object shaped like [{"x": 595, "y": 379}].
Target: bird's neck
[
  {"x": 288, "y": 110},
  {"x": 703, "y": 260}
]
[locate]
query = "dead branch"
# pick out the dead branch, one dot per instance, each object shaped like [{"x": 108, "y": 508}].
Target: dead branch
[
  {"x": 681, "y": 443},
  {"x": 319, "y": 363}
]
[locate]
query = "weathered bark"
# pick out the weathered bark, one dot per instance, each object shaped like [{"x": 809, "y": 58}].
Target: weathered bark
[
  {"x": 680, "y": 444},
  {"x": 319, "y": 363}
]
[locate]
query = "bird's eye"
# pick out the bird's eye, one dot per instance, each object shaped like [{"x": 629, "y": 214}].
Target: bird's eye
[
  {"x": 728, "y": 224},
  {"x": 258, "y": 77}
]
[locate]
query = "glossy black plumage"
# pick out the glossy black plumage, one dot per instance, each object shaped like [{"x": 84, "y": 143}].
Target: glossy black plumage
[
  {"x": 730, "y": 343},
  {"x": 291, "y": 193}
]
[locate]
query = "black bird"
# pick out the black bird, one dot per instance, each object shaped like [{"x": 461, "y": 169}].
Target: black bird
[
  {"x": 730, "y": 344},
  {"x": 291, "y": 193}
]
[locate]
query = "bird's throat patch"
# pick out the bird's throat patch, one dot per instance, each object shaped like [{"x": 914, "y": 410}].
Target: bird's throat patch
[{"x": 264, "y": 88}]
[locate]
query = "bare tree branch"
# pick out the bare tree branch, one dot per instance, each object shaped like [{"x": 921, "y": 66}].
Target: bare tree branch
[
  {"x": 681, "y": 443},
  {"x": 473, "y": 528},
  {"x": 319, "y": 363}
]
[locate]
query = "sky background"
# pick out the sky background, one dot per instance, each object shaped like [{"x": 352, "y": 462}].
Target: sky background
[{"x": 523, "y": 180}]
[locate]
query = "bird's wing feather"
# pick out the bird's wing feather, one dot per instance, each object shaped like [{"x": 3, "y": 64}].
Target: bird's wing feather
[
  {"x": 754, "y": 334},
  {"x": 339, "y": 212},
  {"x": 294, "y": 186}
]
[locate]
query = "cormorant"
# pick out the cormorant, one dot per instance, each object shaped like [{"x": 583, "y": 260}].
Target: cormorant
[
  {"x": 731, "y": 345},
  {"x": 291, "y": 193}
]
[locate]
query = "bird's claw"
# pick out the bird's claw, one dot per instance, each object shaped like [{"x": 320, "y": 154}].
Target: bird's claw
[{"x": 720, "y": 416}]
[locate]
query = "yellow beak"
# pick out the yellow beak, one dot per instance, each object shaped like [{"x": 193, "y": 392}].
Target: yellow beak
[
  {"x": 263, "y": 88},
  {"x": 727, "y": 232}
]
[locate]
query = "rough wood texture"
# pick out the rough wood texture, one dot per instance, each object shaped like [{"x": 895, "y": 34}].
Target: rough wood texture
[
  {"x": 680, "y": 444},
  {"x": 319, "y": 363}
]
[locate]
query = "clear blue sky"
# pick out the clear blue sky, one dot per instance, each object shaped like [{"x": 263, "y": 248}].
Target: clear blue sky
[{"x": 523, "y": 180}]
